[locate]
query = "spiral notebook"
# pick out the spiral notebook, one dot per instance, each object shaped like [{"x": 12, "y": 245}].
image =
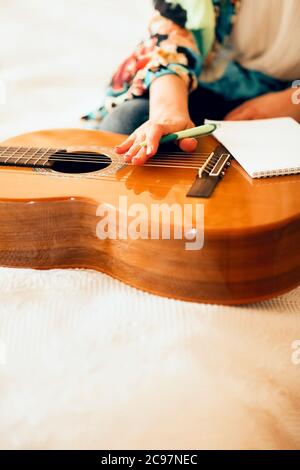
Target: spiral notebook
[{"x": 268, "y": 147}]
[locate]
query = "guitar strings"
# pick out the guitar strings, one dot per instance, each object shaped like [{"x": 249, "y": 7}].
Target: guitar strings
[
  {"x": 64, "y": 155},
  {"x": 158, "y": 162},
  {"x": 181, "y": 160},
  {"x": 147, "y": 164},
  {"x": 14, "y": 152},
  {"x": 53, "y": 151},
  {"x": 161, "y": 165}
]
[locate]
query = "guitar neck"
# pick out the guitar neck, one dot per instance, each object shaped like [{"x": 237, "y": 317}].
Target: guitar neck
[{"x": 27, "y": 156}]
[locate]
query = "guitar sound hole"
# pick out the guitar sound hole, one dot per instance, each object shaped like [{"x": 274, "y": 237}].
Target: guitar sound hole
[{"x": 88, "y": 162}]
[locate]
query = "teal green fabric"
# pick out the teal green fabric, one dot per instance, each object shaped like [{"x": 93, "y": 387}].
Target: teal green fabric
[
  {"x": 200, "y": 18},
  {"x": 240, "y": 84}
]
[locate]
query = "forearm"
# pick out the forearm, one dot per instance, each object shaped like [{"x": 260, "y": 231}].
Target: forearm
[
  {"x": 168, "y": 113},
  {"x": 272, "y": 105},
  {"x": 168, "y": 98}
]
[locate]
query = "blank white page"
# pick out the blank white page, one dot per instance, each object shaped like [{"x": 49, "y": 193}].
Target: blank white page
[{"x": 268, "y": 147}]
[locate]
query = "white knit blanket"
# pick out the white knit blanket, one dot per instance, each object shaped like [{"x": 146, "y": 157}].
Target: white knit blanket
[{"x": 87, "y": 362}]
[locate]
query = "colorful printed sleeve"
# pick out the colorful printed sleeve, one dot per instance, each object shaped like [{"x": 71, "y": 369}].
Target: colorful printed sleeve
[{"x": 169, "y": 48}]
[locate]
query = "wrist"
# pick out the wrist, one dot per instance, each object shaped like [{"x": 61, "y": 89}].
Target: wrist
[
  {"x": 168, "y": 114},
  {"x": 168, "y": 98}
]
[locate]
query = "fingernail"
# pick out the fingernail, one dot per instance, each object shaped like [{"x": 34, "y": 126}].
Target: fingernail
[{"x": 149, "y": 149}]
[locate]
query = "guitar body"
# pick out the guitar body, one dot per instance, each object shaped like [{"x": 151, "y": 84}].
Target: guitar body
[{"x": 251, "y": 227}]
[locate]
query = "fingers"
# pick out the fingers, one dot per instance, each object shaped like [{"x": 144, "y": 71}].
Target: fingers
[
  {"x": 188, "y": 145},
  {"x": 134, "y": 149},
  {"x": 241, "y": 116},
  {"x": 131, "y": 146},
  {"x": 136, "y": 154},
  {"x": 242, "y": 113},
  {"x": 124, "y": 146},
  {"x": 153, "y": 137},
  {"x": 141, "y": 157},
  {"x": 149, "y": 133},
  {"x": 142, "y": 154}
]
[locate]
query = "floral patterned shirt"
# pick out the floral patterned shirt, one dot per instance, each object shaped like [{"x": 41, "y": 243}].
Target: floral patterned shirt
[{"x": 169, "y": 47}]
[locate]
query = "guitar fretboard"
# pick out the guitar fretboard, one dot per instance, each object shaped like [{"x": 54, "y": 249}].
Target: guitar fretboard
[{"x": 27, "y": 156}]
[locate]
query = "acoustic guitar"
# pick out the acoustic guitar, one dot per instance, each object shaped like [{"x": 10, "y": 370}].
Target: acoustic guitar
[{"x": 52, "y": 184}]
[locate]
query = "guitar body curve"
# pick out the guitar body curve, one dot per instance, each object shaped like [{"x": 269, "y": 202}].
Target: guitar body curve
[{"x": 251, "y": 227}]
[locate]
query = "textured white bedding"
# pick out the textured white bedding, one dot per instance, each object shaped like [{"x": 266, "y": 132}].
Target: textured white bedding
[{"x": 87, "y": 362}]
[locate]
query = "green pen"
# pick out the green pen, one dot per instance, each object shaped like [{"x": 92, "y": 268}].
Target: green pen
[{"x": 199, "y": 131}]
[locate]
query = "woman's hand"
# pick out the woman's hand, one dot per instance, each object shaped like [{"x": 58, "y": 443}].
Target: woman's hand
[
  {"x": 151, "y": 132},
  {"x": 271, "y": 105},
  {"x": 168, "y": 110}
]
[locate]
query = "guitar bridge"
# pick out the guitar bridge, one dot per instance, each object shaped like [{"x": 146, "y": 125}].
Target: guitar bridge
[{"x": 210, "y": 173}]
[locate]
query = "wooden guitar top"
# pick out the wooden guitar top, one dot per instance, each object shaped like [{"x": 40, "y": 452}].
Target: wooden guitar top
[{"x": 252, "y": 227}]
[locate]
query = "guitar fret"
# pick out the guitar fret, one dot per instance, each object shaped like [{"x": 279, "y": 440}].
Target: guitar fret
[
  {"x": 8, "y": 158},
  {"x": 42, "y": 156},
  {"x": 7, "y": 149},
  {"x": 32, "y": 156},
  {"x": 2, "y": 153},
  {"x": 26, "y": 156},
  {"x": 21, "y": 156}
]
